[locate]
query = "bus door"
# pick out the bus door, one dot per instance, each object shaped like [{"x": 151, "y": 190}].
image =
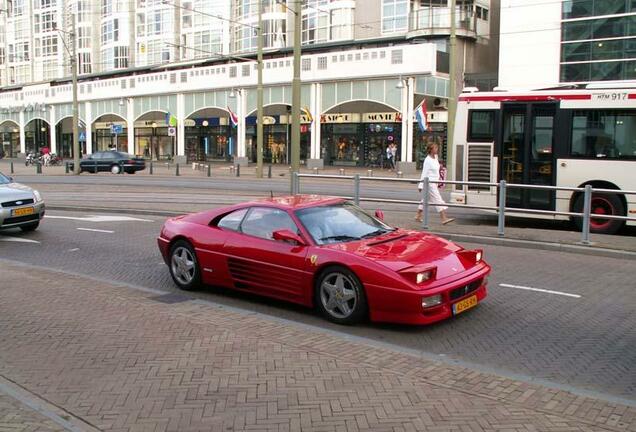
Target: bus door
[{"x": 527, "y": 153}]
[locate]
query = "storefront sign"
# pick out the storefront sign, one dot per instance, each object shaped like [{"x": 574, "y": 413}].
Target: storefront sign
[
  {"x": 108, "y": 125},
  {"x": 172, "y": 131},
  {"x": 339, "y": 118},
  {"x": 269, "y": 120},
  {"x": 392, "y": 117}
]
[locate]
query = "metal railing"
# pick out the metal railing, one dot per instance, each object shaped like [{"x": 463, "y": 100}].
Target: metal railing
[{"x": 500, "y": 209}]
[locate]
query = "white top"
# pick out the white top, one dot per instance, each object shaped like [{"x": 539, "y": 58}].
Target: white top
[{"x": 430, "y": 168}]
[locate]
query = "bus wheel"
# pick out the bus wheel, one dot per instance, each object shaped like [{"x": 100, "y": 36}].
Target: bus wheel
[{"x": 602, "y": 204}]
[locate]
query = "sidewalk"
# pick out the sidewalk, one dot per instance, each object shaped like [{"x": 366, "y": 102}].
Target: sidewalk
[{"x": 121, "y": 360}]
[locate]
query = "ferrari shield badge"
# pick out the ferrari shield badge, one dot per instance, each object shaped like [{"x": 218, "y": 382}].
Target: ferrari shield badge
[{"x": 313, "y": 259}]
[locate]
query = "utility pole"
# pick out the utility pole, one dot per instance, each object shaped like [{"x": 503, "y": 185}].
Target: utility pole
[
  {"x": 259, "y": 93},
  {"x": 452, "y": 96},
  {"x": 76, "y": 145},
  {"x": 295, "y": 135}
]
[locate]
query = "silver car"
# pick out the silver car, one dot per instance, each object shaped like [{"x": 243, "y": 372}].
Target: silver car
[{"x": 20, "y": 206}]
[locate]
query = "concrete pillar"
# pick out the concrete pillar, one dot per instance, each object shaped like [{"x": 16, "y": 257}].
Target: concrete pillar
[
  {"x": 180, "y": 156},
  {"x": 88, "y": 127},
  {"x": 409, "y": 119},
  {"x": 22, "y": 135},
  {"x": 130, "y": 124},
  {"x": 241, "y": 113},
  {"x": 315, "y": 160},
  {"x": 53, "y": 130},
  {"x": 406, "y": 164}
]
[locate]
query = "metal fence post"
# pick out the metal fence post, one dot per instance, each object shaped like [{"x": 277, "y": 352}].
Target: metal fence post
[
  {"x": 587, "y": 209},
  {"x": 294, "y": 182},
  {"x": 176, "y": 171},
  {"x": 209, "y": 170},
  {"x": 269, "y": 171},
  {"x": 38, "y": 168},
  {"x": 238, "y": 170},
  {"x": 356, "y": 189},
  {"x": 66, "y": 169},
  {"x": 150, "y": 167},
  {"x": 501, "y": 223},
  {"x": 425, "y": 193},
  {"x": 121, "y": 167},
  {"x": 12, "y": 167}
]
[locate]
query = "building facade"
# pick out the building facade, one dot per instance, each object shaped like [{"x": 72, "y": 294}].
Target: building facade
[
  {"x": 548, "y": 43},
  {"x": 156, "y": 79}
]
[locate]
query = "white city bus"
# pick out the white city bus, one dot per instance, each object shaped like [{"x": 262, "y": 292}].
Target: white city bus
[{"x": 568, "y": 137}]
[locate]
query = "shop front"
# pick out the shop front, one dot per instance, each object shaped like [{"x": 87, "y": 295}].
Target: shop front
[
  {"x": 64, "y": 138},
  {"x": 209, "y": 139},
  {"x": 354, "y": 139},
  {"x": 155, "y": 140},
  {"x": 110, "y": 136},
  {"x": 277, "y": 138},
  {"x": 37, "y": 136},
  {"x": 437, "y": 133},
  {"x": 10, "y": 135}
]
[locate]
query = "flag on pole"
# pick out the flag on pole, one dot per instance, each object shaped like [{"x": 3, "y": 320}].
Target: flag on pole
[
  {"x": 420, "y": 116},
  {"x": 307, "y": 113},
  {"x": 171, "y": 120},
  {"x": 233, "y": 117}
]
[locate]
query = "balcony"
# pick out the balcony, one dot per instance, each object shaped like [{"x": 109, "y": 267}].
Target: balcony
[{"x": 435, "y": 21}]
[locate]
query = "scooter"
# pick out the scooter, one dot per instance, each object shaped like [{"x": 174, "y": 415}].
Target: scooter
[{"x": 31, "y": 159}]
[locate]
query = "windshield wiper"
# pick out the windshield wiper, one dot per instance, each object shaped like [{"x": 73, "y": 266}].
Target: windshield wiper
[
  {"x": 377, "y": 233},
  {"x": 340, "y": 237}
]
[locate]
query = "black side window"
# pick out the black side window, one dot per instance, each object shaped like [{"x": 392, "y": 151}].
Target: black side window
[
  {"x": 232, "y": 221},
  {"x": 481, "y": 126}
]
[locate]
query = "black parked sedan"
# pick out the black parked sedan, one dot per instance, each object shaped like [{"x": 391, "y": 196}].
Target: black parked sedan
[{"x": 113, "y": 161}]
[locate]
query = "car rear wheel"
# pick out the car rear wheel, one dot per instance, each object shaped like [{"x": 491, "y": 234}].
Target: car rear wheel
[
  {"x": 340, "y": 296},
  {"x": 184, "y": 267},
  {"x": 115, "y": 169},
  {"x": 30, "y": 227}
]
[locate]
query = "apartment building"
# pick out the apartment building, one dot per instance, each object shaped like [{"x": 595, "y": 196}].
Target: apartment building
[{"x": 366, "y": 66}]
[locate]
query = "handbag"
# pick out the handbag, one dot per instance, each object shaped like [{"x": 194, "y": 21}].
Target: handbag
[{"x": 442, "y": 176}]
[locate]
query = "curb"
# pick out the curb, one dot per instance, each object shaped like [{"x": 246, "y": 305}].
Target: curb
[
  {"x": 538, "y": 245},
  {"x": 495, "y": 241}
]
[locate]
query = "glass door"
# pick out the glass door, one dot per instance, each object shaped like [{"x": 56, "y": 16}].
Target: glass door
[{"x": 527, "y": 154}]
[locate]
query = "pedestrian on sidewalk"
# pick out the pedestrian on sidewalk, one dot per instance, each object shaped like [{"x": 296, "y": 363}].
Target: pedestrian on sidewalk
[
  {"x": 389, "y": 157},
  {"x": 431, "y": 170}
]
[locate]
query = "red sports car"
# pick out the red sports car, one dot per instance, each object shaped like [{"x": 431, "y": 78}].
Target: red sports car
[{"x": 327, "y": 253}]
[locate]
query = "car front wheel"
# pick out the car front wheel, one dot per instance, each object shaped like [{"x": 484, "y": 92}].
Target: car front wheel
[
  {"x": 340, "y": 296},
  {"x": 184, "y": 267}
]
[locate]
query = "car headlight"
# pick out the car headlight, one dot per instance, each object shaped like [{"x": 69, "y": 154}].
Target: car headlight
[
  {"x": 423, "y": 276},
  {"x": 37, "y": 195},
  {"x": 428, "y": 302}
]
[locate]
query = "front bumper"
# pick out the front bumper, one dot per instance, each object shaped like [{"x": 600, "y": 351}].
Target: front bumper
[
  {"x": 405, "y": 307},
  {"x": 7, "y": 220}
]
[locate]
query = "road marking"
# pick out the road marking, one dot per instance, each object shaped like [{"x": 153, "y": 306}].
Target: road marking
[
  {"x": 17, "y": 239},
  {"x": 98, "y": 218},
  {"x": 96, "y": 230},
  {"x": 540, "y": 290},
  {"x": 73, "y": 250}
]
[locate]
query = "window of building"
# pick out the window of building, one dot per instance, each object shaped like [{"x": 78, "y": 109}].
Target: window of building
[
  {"x": 48, "y": 21},
  {"x": 49, "y": 46},
  {"x": 481, "y": 126},
  {"x": 121, "y": 57},
  {"x": 43, "y": 4},
  {"x": 107, "y": 7},
  {"x": 604, "y": 134},
  {"x": 141, "y": 25},
  {"x": 394, "y": 15},
  {"x": 588, "y": 8},
  {"x": 85, "y": 66},
  {"x": 110, "y": 31},
  {"x": 599, "y": 28},
  {"x": 84, "y": 37},
  {"x": 16, "y": 8},
  {"x": 49, "y": 69}
]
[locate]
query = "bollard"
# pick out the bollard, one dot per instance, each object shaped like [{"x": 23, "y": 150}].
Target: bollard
[
  {"x": 501, "y": 219},
  {"x": 587, "y": 209},
  {"x": 38, "y": 168},
  {"x": 121, "y": 167},
  {"x": 150, "y": 167},
  {"x": 370, "y": 173},
  {"x": 12, "y": 168},
  {"x": 315, "y": 170},
  {"x": 356, "y": 189},
  {"x": 295, "y": 183},
  {"x": 425, "y": 193},
  {"x": 400, "y": 174},
  {"x": 238, "y": 170},
  {"x": 269, "y": 171},
  {"x": 176, "y": 171},
  {"x": 342, "y": 171},
  {"x": 209, "y": 170},
  {"x": 66, "y": 168}
]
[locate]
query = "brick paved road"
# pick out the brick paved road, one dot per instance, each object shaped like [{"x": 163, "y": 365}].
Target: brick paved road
[
  {"x": 587, "y": 343},
  {"x": 122, "y": 360}
]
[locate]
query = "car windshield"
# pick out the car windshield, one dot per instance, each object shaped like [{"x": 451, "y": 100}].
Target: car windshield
[
  {"x": 4, "y": 179},
  {"x": 340, "y": 223}
]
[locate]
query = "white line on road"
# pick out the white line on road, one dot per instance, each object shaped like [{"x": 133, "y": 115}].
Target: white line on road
[
  {"x": 73, "y": 250},
  {"x": 100, "y": 218},
  {"x": 540, "y": 290},
  {"x": 96, "y": 230},
  {"x": 17, "y": 240}
]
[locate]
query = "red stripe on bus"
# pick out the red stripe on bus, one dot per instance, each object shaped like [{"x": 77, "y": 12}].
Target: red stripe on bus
[
  {"x": 631, "y": 96},
  {"x": 525, "y": 98}
]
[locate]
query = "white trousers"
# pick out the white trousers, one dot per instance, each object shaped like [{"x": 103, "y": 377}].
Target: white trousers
[{"x": 434, "y": 198}]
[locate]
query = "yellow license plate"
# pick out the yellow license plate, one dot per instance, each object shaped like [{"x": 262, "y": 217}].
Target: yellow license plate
[
  {"x": 464, "y": 305},
  {"x": 25, "y": 211}
]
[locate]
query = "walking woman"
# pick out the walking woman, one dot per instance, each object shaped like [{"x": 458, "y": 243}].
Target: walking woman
[{"x": 430, "y": 170}]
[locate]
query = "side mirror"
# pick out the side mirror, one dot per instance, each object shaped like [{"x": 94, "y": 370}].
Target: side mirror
[
  {"x": 287, "y": 236},
  {"x": 379, "y": 214}
]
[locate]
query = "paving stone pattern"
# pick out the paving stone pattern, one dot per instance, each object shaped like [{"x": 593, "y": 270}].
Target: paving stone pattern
[
  {"x": 15, "y": 417},
  {"x": 123, "y": 361}
]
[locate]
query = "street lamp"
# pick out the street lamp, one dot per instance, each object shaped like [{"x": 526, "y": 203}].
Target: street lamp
[{"x": 121, "y": 102}]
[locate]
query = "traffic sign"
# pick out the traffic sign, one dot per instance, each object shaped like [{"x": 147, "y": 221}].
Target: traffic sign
[
  {"x": 116, "y": 129},
  {"x": 172, "y": 131},
  {"x": 82, "y": 136}
]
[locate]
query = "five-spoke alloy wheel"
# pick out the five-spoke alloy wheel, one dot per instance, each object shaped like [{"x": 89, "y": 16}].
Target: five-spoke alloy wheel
[
  {"x": 340, "y": 296},
  {"x": 183, "y": 266}
]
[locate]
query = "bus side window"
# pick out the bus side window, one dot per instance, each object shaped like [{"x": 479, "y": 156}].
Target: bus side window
[{"x": 481, "y": 125}]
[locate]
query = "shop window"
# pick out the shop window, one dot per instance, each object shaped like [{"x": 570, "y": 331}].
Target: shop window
[{"x": 481, "y": 126}]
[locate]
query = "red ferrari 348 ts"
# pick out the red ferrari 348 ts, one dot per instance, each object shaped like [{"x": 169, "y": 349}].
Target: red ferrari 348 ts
[{"x": 327, "y": 253}]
